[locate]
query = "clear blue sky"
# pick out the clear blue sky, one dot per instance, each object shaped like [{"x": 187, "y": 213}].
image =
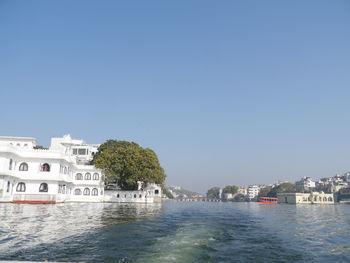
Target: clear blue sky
[{"x": 226, "y": 92}]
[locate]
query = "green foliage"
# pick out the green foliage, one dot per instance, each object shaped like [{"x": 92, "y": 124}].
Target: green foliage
[
  {"x": 125, "y": 163},
  {"x": 167, "y": 193},
  {"x": 282, "y": 188},
  {"x": 182, "y": 192},
  {"x": 299, "y": 189},
  {"x": 214, "y": 192},
  {"x": 230, "y": 189},
  {"x": 238, "y": 198},
  {"x": 40, "y": 147},
  {"x": 323, "y": 188},
  {"x": 265, "y": 191}
]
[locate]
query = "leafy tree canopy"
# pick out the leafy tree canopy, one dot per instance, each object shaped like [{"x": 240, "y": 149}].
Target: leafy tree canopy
[
  {"x": 282, "y": 188},
  {"x": 264, "y": 191},
  {"x": 214, "y": 192},
  {"x": 238, "y": 198},
  {"x": 230, "y": 189},
  {"x": 125, "y": 163}
]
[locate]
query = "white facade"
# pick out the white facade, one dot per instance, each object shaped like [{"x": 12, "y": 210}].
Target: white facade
[
  {"x": 62, "y": 173},
  {"x": 306, "y": 183},
  {"x": 227, "y": 196},
  {"x": 150, "y": 194},
  {"x": 305, "y": 198},
  {"x": 242, "y": 190},
  {"x": 253, "y": 191}
]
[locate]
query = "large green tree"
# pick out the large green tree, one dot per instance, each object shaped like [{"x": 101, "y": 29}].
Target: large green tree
[
  {"x": 230, "y": 189},
  {"x": 264, "y": 191},
  {"x": 125, "y": 163},
  {"x": 214, "y": 192},
  {"x": 238, "y": 198},
  {"x": 282, "y": 188}
]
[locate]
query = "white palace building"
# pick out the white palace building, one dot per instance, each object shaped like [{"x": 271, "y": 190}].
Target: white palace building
[{"x": 62, "y": 173}]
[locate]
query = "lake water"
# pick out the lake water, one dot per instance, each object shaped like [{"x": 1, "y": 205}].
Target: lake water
[{"x": 175, "y": 232}]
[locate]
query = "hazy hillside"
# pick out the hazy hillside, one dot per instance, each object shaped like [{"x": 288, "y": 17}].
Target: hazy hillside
[{"x": 179, "y": 192}]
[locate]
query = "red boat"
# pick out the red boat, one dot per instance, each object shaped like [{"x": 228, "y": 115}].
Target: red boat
[{"x": 267, "y": 200}]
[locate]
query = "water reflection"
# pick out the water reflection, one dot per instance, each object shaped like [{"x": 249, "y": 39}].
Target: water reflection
[
  {"x": 321, "y": 231},
  {"x": 24, "y": 225},
  {"x": 175, "y": 232}
]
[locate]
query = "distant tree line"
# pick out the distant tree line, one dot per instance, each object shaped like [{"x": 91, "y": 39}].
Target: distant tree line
[
  {"x": 214, "y": 192},
  {"x": 270, "y": 191}
]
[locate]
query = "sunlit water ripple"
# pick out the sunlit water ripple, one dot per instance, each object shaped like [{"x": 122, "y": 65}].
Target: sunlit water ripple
[{"x": 175, "y": 232}]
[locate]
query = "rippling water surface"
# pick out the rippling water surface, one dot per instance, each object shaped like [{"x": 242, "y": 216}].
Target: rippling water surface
[{"x": 175, "y": 232}]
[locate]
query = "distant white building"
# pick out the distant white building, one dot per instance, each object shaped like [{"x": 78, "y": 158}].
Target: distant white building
[
  {"x": 306, "y": 183},
  {"x": 62, "y": 173},
  {"x": 242, "y": 190},
  {"x": 338, "y": 180},
  {"x": 347, "y": 177},
  {"x": 305, "y": 198},
  {"x": 253, "y": 192},
  {"x": 227, "y": 196}
]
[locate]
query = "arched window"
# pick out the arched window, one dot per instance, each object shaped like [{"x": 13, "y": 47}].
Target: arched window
[
  {"x": 325, "y": 199},
  {"x": 140, "y": 196},
  {"x": 45, "y": 167},
  {"x": 77, "y": 191},
  {"x": 8, "y": 186},
  {"x": 320, "y": 198},
  {"x": 10, "y": 164},
  {"x": 330, "y": 199},
  {"x": 43, "y": 187},
  {"x": 315, "y": 198},
  {"x": 88, "y": 176},
  {"x": 65, "y": 170},
  {"x": 134, "y": 195},
  {"x": 117, "y": 195},
  {"x": 156, "y": 192},
  {"x": 79, "y": 176},
  {"x": 23, "y": 167},
  {"x": 86, "y": 191},
  {"x": 63, "y": 189},
  {"x": 101, "y": 192},
  {"x": 96, "y": 176},
  {"x": 94, "y": 191},
  {"x": 21, "y": 187}
]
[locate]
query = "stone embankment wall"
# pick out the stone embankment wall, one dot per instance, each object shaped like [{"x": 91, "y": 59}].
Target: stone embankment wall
[{"x": 115, "y": 196}]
